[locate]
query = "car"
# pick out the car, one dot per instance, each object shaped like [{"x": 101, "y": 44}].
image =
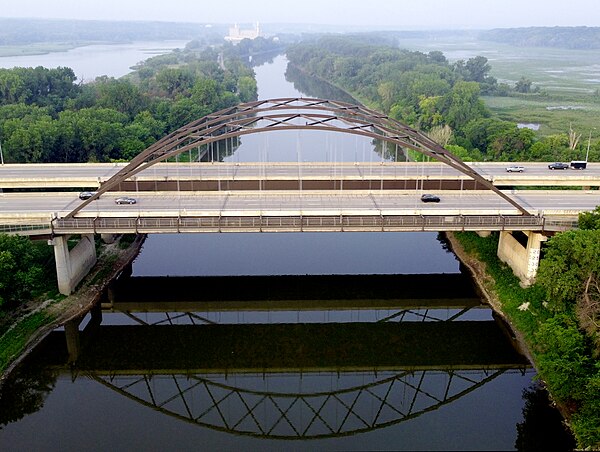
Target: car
[
  {"x": 515, "y": 169},
  {"x": 125, "y": 200},
  {"x": 86, "y": 194},
  {"x": 558, "y": 165},
  {"x": 430, "y": 198}
]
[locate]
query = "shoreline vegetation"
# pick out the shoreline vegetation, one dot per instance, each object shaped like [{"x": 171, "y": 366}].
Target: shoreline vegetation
[
  {"x": 43, "y": 316},
  {"x": 524, "y": 310}
]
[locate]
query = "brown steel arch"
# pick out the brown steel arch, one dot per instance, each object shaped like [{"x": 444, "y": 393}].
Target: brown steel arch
[{"x": 291, "y": 114}]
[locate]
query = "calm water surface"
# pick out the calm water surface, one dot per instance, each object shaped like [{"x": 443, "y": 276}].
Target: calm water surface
[
  {"x": 92, "y": 61},
  {"x": 271, "y": 380}
]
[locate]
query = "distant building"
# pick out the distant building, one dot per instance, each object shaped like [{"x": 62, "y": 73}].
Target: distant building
[{"x": 236, "y": 34}]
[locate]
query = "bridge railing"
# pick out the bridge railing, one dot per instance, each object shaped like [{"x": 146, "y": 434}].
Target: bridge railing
[
  {"x": 26, "y": 229},
  {"x": 310, "y": 223}
]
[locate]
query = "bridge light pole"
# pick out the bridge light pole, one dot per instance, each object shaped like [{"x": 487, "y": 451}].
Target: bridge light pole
[
  {"x": 588, "y": 146},
  {"x": 1, "y": 156}
]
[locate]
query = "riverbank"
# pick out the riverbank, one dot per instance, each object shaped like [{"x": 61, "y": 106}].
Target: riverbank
[
  {"x": 43, "y": 316},
  {"x": 552, "y": 341}
]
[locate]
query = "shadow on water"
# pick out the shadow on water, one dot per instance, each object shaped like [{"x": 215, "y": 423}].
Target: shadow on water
[
  {"x": 281, "y": 380},
  {"x": 542, "y": 427}
]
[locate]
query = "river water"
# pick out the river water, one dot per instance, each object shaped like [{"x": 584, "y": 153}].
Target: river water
[
  {"x": 89, "y": 62},
  {"x": 414, "y": 362}
]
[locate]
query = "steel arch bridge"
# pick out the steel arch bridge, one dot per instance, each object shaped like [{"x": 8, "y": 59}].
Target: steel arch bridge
[
  {"x": 213, "y": 401},
  {"x": 291, "y": 114}
]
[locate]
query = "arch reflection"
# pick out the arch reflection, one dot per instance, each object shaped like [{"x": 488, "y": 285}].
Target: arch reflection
[{"x": 246, "y": 406}]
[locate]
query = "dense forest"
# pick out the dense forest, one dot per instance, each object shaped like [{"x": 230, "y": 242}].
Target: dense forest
[
  {"x": 433, "y": 95},
  {"x": 46, "y": 116},
  {"x": 582, "y": 38}
]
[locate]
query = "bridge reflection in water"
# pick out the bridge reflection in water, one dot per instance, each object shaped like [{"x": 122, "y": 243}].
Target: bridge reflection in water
[{"x": 294, "y": 380}]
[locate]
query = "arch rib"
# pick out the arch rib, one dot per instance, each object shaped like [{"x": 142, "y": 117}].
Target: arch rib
[{"x": 280, "y": 114}]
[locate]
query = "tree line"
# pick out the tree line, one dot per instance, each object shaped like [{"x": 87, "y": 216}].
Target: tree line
[
  {"x": 433, "y": 95},
  {"x": 46, "y": 116},
  {"x": 583, "y": 38}
]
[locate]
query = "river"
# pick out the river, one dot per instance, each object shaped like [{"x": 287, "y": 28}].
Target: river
[
  {"x": 89, "y": 62},
  {"x": 413, "y": 362}
]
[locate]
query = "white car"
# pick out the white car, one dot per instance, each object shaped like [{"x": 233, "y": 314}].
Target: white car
[{"x": 515, "y": 169}]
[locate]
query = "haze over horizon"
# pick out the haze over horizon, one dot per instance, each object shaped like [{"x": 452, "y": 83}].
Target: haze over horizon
[{"x": 432, "y": 14}]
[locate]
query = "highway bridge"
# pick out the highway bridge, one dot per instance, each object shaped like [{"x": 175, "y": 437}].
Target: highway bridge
[{"x": 291, "y": 197}]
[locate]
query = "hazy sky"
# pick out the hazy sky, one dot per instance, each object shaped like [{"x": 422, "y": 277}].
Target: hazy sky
[{"x": 385, "y": 13}]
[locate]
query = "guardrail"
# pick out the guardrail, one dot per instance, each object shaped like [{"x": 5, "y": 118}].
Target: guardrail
[
  {"x": 26, "y": 229},
  {"x": 309, "y": 224}
]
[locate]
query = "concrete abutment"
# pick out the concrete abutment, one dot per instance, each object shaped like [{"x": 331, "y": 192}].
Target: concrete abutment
[
  {"x": 72, "y": 266},
  {"x": 524, "y": 261}
]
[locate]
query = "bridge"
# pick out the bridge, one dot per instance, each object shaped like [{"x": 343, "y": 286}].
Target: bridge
[{"x": 204, "y": 196}]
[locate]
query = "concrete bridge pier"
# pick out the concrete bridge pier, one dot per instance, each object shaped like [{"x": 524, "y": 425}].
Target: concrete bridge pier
[
  {"x": 524, "y": 261},
  {"x": 72, "y": 266}
]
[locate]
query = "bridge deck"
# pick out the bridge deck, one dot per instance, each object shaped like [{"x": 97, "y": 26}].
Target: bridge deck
[{"x": 288, "y": 175}]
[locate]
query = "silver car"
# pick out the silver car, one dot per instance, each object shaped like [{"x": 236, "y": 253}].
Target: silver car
[
  {"x": 125, "y": 200},
  {"x": 515, "y": 169}
]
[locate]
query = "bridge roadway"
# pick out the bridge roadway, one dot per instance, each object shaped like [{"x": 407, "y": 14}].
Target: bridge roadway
[
  {"x": 286, "y": 175},
  {"x": 278, "y": 210}
]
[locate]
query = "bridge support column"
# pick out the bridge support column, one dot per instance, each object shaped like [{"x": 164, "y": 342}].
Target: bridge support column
[
  {"x": 108, "y": 238},
  {"x": 524, "y": 261},
  {"x": 72, "y": 266}
]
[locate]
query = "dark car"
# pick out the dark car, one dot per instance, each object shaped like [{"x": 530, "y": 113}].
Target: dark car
[
  {"x": 558, "y": 165},
  {"x": 86, "y": 194},
  {"x": 430, "y": 198},
  {"x": 125, "y": 200}
]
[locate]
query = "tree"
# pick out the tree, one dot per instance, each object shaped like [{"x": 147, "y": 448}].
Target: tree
[
  {"x": 477, "y": 69},
  {"x": 570, "y": 259},
  {"x": 175, "y": 81},
  {"x": 563, "y": 357},
  {"x": 440, "y": 134},
  {"x": 511, "y": 144},
  {"x": 523, "y": 85},
  {"x": 120, "y": 95},
  {"x": 21, "y": 269},
  {"x": 247, "y": 89},
  {"x": 464, "y": 105}
]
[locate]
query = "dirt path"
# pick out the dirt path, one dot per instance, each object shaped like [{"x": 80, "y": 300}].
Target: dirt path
[{"x": 110, "y": 263}]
